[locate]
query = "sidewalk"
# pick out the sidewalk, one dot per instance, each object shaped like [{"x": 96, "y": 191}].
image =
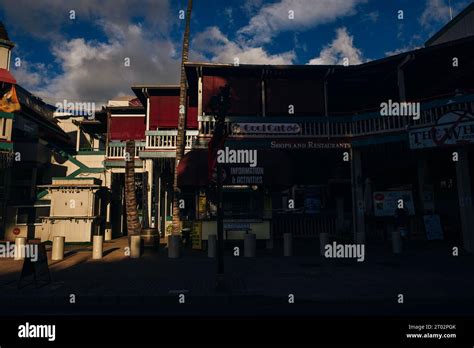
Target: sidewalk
[{"x": 427, "y": 275}]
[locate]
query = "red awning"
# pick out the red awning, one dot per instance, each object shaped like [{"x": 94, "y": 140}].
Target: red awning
[
  {"x": 6, "y": 76},
  {"x": 277, "y": 169},
  {"x": 192, "y": 169}
]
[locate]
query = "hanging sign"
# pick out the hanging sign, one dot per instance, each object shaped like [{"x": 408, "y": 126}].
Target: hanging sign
[{"x": 265, "y": 128}]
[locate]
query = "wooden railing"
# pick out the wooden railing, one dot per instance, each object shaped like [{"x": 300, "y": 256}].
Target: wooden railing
[
  {"x": 116, "y": 150},
  {"x": 340, "y": 126},
  {"x": 166, "y": 139}
]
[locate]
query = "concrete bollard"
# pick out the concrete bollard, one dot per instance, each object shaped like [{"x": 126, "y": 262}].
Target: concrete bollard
[
  {"x": 58, "y": 248},
  {"x": 211, "y": 245},
  {"x": 135, "y": 246},
  {"x": 250, "y": 245},
  {"x": 108, "y": 234},
  {"x": 323, "y": 240},
  {"x": 287, "y": 244},
  {"x": 20, "y": 245},
  {"x": 174, "y": 242},
  {"x": 97, "y": 247},
  {"x": 396, "y": 242}
]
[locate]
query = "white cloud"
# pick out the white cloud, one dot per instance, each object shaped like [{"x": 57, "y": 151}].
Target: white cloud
[
  {"x": 437, "y": 12},
  {"x": 274, "y": 18},
  {"x": 341, "y": 47},
  {"x": 95, "y": 71},
  {"x": 212, "y": 42},
  {"x": 251, "y": 6},
  {"x": 44, "y": 19},
  {"x": 92, "y": 70},
  {"x": 402, "y": 50},
  {"x": 371, "y": 16}
]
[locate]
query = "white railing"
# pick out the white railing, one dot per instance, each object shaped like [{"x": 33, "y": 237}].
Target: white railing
[
  {"x": 166, "y": 139},
  {"x": 116, "y": 150},
  {"x": 5, "y": 129}
]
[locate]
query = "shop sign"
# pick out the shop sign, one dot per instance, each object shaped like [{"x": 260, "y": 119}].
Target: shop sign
[
  {"x": 307, "y": 145},
  {"x": 265, "y": 128},
  {"x": 246, "y": 175},
  {"x": 237, "y": 225},
  {"x": 433, "y": 227},
  {"x": 196, "y": 235},
  {"x": 453, "y": 128},
  {"x": 386, "y": 202}
]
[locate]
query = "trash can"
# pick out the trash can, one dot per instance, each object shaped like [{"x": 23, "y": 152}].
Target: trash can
[{"x": 186, "y": 237}]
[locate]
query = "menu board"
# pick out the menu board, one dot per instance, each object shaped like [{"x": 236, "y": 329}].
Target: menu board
[
  {"x": 433, "y": 228},
  {"x": 196, "y": 235}
]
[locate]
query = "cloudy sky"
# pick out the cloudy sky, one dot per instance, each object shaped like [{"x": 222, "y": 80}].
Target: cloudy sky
[{"x": 79, "y": 50}]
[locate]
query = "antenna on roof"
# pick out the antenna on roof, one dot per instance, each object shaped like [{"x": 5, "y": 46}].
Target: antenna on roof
[{"x": 450, "y": 10}]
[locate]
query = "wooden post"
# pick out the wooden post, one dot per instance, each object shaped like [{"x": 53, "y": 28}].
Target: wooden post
[{"x": 465, "y": 199}]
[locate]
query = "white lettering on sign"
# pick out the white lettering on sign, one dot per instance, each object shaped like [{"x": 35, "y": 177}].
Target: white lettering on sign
[{"x": 266, "y": 128}]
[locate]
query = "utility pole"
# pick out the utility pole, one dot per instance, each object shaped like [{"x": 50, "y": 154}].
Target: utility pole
[{"x": 220, "y": 105}]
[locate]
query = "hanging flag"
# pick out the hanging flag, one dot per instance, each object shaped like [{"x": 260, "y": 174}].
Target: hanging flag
[{"x": 9, "y": 101}]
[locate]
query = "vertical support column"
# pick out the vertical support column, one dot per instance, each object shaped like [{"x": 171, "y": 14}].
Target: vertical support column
[
  {"x": 465, "y": 199},
  {"x": 166, "y": 210},
  {"x": 339, "y": 213},
  {"x": 108, "y": 221},
  {"x": 421, "y": 171},
  {"x": 357, "y": 197},
  {"x": 149, "y": 188},
  {"x": 160, "y": 206}
]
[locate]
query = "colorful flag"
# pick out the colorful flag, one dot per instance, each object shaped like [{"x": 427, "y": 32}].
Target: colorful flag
[{"x": 9, "y": 101}]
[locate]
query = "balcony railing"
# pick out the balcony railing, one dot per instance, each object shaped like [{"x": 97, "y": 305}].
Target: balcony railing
[
  {"x": 166, "y": 139},
  {"x": 341, "y": 126},
  {"x": 116, "y": 150}
]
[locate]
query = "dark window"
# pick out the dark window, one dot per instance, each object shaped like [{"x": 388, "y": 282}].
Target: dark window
[
  {"x": 244, "y": 205},
  {"x": 31, "y": 215}
]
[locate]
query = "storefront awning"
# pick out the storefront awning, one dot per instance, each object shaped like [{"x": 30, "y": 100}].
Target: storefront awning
[
  {"x": 6, "y": 76},
  {"x": 273, "y": 168}
]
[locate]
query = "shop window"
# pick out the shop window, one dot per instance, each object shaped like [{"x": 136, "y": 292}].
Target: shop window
[{"x": 243, "y": 205}]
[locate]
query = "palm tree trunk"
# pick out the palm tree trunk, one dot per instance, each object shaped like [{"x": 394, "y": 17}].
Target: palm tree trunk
[
  {"x": 180, "y": 139},
  {"x": 133, "y": 223}
]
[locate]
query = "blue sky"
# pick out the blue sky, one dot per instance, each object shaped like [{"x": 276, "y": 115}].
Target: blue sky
[{"x": 81, "y": 55}]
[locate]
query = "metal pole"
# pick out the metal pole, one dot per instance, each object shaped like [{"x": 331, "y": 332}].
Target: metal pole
[{"x": 220, "y": 232}]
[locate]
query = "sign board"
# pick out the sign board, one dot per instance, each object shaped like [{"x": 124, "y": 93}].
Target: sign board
[
  {"x": 453, "y": 128},
  {"x": 38, "y": 269},
  {"x": 202, "y": 206},
  {"x": 433, "y": 227},
  {"x": 265, "y": 128},
  {"x": 307, "y": 145},
  {"x": 386, "y": 202},
  {"x": 245, "y": 175},
  {"x": 196, "y": 235}
]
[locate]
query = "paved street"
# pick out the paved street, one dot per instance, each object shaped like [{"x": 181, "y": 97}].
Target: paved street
[{"x": 431, "y": 280}]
